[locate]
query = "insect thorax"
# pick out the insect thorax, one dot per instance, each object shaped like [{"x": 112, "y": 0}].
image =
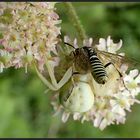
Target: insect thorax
[{"x": 81, "y": 60}]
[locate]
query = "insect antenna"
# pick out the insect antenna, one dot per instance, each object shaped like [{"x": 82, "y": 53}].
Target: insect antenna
[{"x": 69, "y": 44}]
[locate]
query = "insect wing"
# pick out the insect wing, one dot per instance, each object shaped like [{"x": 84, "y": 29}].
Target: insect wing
[{"x": 117, "y": 59}]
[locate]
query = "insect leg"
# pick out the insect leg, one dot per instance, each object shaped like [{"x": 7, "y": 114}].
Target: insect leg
[
  {"x": 73, "y": 73},
  {"x": 69, "y": 93},
  {"x": 76, "y": 72},
  {"x": 72, "y": 78},
  {"x": 108, "y": 64},
  {"x": 73, "y": 85}
]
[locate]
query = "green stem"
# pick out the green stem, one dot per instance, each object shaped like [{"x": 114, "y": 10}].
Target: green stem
[{"x": 75, "y": 20}]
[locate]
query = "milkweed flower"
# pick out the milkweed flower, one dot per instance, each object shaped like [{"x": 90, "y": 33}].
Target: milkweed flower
[
  {"x": 103, "y": 105},
  {"x": 28, "y": 33}
]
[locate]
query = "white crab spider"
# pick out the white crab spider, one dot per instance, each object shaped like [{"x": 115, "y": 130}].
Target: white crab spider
[{"x": 81, "y": 97}]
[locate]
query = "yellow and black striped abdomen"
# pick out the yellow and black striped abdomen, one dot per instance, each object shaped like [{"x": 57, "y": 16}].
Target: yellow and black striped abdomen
[{"x": 98, "y": 69}]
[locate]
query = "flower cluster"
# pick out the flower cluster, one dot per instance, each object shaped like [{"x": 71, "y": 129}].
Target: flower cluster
[
  {"x": 102, "y": 104},
  {"x": 28, "y": 32}
]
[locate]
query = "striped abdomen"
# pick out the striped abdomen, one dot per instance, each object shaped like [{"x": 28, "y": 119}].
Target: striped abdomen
[{"x": 98, "y": 69}]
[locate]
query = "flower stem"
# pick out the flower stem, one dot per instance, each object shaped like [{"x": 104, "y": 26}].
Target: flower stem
[{"x": 75, "y": 20}]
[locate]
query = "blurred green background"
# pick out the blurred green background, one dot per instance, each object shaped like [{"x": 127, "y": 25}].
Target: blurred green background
[{"x": 25, "y": 110}]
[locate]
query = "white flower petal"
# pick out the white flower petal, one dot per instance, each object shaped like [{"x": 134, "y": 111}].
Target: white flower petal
[
  {"x": 120, "y": 119},
  {"x": 103, "y": 124},
  {"x": 87, "y": 42},
  {"x": 133, "y": 73},
  {"x": 102, "y": 44},
  {"x": 84, "y": 118},
  {"x": 109, "y": 41},
  {"x": 66, "y": 39},
  {"x": 75, "y": 43},
  {"x": 76, "y": 116},
  {"x": 113, "y": 47},
  {"x": 118, "y": 110},
  {"x": 137, "y": 79},
  {"x": 119, "y": 45},
  {"x": 65, "y": 116},
  {"x": 90, "y": 41},
  {"x": 123, "y": 68},
  {"x": 122, "y": 54},
  {"x": 97, "y": 121}
]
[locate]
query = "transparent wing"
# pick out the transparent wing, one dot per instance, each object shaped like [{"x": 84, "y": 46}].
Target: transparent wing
[{"x": 117, "y": 59}]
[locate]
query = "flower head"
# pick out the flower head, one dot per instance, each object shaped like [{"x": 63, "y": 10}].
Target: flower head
[
  {"x": 104, "y": 104},
  {"x": 29, "y": 33}
]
